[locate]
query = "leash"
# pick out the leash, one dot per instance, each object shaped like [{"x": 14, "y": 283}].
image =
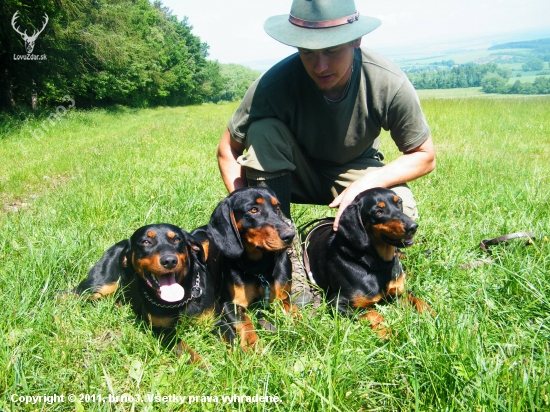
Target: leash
[
  {"x": 325, "y": 221},
  {"x": 196, "y": 292},
  {"x": 485, "y": 243},
  {"x": 267, "y": 290}
]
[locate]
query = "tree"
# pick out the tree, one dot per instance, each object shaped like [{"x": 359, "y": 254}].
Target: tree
[
  {"x": 238, "y": 80},
  {"x": 541, "y": 85},
  {"x": 493, "y": 83},
  {"x": 533, "y": 64}
]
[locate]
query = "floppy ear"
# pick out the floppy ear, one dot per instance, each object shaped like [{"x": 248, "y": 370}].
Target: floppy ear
[
  {"x": 351, "y": 228},
  {"x": 196, "y": 248},
  {"x": 125, "y": 258},
  {"x": 224, "y": 232},
  {"x": 125, "y": 254}
]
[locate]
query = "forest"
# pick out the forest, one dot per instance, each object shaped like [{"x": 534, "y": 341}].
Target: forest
[{"x": 105, "y": 52}]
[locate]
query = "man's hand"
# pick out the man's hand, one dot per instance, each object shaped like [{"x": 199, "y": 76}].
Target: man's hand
[{"x": 409, "y": 166}]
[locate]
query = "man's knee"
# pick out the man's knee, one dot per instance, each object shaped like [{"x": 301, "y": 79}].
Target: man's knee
[
  {"x": 269, "y": 144},
  {"x": 409, "y": 203}
]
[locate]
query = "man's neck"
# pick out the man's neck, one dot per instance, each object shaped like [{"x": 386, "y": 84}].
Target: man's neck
[{"x": 337, "y": 92}]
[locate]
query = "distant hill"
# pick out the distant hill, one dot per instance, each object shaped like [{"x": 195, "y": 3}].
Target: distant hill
[{"x": 540, "y": 45}]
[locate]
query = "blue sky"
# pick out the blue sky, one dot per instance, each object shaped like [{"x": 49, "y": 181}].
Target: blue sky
[{"x": 234, "y": 28}]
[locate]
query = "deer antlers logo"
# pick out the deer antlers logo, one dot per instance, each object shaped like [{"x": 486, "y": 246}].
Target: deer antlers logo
[{"x": 29, "y": 40}]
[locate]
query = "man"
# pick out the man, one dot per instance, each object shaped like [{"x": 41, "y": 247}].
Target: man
[{"x": 310, "y": 125}]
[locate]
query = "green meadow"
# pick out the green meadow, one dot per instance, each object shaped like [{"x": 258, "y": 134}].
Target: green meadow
[{"x": 91, "y": 179}]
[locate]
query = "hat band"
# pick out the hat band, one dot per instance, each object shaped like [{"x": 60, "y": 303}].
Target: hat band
[{"x": 325, "y": 23}]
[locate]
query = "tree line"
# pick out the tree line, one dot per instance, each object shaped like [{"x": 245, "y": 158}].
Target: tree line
[
  {"x": 490, "y": 76},
  {"x": 465, "y": 75},
  {"x": 105, "y": 52}
]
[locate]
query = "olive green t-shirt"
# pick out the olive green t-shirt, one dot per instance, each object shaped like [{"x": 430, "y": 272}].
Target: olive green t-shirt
[{"x": 380, "y": 96}]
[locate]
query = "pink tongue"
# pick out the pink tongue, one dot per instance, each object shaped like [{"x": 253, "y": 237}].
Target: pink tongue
[{"x": 170, "y": 291}]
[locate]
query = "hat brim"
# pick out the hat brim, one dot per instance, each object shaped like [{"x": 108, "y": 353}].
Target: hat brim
[{"x": 282, "y": 30}]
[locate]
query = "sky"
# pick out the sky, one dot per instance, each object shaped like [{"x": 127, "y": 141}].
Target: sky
[{"x": 234, "y": 28}]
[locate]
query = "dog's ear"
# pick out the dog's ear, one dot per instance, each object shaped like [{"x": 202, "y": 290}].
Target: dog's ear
[
  {"x": 224, "y": 232},
  {"x": 351, "y": 228},
  {"x": 195, "y": 248},
  {"x": 125, "y": 254},
  {"x": 125, "y": 258}
]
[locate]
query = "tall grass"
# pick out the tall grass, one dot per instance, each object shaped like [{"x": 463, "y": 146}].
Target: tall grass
[{"x": 97, "y": 176}]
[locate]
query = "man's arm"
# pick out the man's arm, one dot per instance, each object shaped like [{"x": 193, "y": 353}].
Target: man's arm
[
  {"x": 409, "y": 166},
  {"x": 233, "y": 174}
]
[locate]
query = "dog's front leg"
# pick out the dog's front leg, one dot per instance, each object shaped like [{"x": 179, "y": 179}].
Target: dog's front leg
[
  {"x": 236, "y": 316},
  {"x": 418, "y": 304}
]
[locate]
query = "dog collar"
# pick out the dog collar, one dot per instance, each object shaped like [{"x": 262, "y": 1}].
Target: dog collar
[{"x": 196, "y": 292}]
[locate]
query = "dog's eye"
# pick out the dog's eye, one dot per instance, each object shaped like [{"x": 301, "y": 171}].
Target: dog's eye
[
  {"x": 378, "y": 213},
  {"x": 254, "y": 210},
  {"x": 177, "y": 239},
  {"x": 146, "y": 242}
]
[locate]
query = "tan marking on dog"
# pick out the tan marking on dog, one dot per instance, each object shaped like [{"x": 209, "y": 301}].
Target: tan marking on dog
[
  {"x": 418, "y": 304},
  {"x": 105, "y": 290},
  {"x": 396, "y": 287},
  {"x": 396, "y": 198},
  {"x": 152, "y": 264},
  {"x": 206, "y": 316},
  {"x": 376, "y": 320},
  {"x": 251, "y": 252},
  {"x": 266, "y": 238},
  {"x": 238, "y": 226},
  {"x": 393, "y": 228},
  {"x": 245, "y": 329},
  {"x": 244, "y": 295},
  {"x": 182, "y": 347},
  {"x": 381, "y": 205},
  {"x": 162, "y": 321},
  {"x": 362, "y": 301},
  {"x": 151, "y": 234},
  {"x": 260, "y": 200},
  {"x": 282, "y": 293},
  {"x": 171, "y": 235},
  {"x": 205, "y": 248},
  {"x": 274, "y": 201}
]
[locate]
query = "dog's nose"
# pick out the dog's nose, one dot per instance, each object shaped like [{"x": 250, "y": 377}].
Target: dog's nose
[
  {"x": 287, "y": 236},
  {"x": 169, "y": 261},
  {"x": 411, "y": 229}
]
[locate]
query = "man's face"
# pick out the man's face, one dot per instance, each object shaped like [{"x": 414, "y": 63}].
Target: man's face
[{"x": 329, "y": 68}]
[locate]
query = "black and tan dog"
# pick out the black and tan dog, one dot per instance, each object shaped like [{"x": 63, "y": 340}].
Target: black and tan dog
[
  {"x": 248, "y": 229},
  {"x": 161, "y": 270},
  {"x": 357, "y": 266}
]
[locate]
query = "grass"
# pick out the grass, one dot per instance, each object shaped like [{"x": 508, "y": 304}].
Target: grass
[
  {"x": 469, "y": 92},
  {"x": 95, "y": 177}
]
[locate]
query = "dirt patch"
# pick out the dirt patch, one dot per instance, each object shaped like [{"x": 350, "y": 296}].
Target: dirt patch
[{"x": 16, "y": 203}]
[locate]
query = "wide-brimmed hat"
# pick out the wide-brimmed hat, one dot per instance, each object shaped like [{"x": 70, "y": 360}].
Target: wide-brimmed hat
[{"x": 318, "y": 24}]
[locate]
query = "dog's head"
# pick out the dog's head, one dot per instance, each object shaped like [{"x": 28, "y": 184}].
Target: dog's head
[
  {"x": 161, "y": 255},
  {"x": 375, "y": 218},
  {"x": 249, "y": 221}
]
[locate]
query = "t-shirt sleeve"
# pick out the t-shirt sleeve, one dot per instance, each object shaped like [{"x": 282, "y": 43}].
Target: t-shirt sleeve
[
  {"x": 406, "y": 121},
  {"x": 254, "y": 106}
]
